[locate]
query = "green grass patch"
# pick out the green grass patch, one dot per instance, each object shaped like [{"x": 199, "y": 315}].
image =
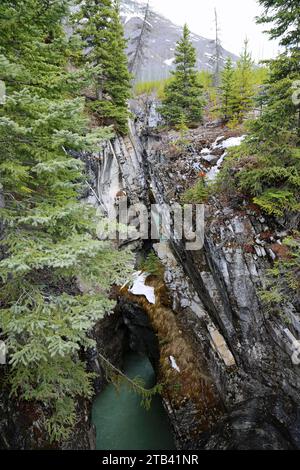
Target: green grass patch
[
  {"x": 198, "y": 194},
  {"x": 153, "y": 265},
  {"x": 156, "y": 87}
]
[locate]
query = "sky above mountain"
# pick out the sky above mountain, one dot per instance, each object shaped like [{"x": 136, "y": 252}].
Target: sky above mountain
[{"x": 236, "y": 17}]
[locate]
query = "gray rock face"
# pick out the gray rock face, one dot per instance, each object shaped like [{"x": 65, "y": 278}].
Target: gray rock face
[
  {"x": 226, "y": 276},
  {"x": 139, "y": 333},
  {"x": 246, "y": 350},
  {"x": 112, "y": 172},
  {"x": 259, "y": 423},
  {"x": 162, "y": 41}
]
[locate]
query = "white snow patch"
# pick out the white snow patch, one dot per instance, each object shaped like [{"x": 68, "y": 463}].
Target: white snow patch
[
  {"x": 216, "y": 143},
  {"x": 209, "y": 157},
  {"x": 220, "y": 143},
  {"x": 211, "y": 175},
  {"x": 129, "y": 16},
  {"x": 139, "y": 287},
  {"x": 205, "y": 151},
  {"x": 169, "y": 62},
  {"x": 174, "y": 364},
  {"x": 225, "y": 144},
  {"x": 233, "y": 142}
]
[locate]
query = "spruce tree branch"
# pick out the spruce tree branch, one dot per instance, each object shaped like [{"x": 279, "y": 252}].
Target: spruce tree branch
[{"x": 135, "y": 385}]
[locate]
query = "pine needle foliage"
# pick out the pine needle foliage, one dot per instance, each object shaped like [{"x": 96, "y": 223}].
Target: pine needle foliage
[
  {"x": 49, "y": 236},
  {"x": 137, "y": 385},
  {"x": 100, "y": 28},
  {"x": 237, "y": 89},
  {"x": 283, "y": 16},
  {"x": 227, "y": 90},
  {"x": 268, "y": 162},
  {"x": 153, "y": 265},
  {"x": 283, "y": 280},
  {"x": 267, "y": 165},
  {"x": 184, "y": 100},
  {"x": 197, "y": 194}
]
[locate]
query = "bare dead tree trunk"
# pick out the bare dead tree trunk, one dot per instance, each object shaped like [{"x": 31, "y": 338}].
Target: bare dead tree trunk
[
  {"x": 140, "y": 43},
  {"x": 217, "y": 52}
]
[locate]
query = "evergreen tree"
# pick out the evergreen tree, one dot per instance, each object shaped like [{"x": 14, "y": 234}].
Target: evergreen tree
[
  {"x": 274, "y": 176},
  {"x": 49, "y": 237},
  {"x": 184, "y": 94},
  {"x": 243, "y": 93},
  {"x": 101, "y": 30},
  {"x": 227, "y": 90},
  {"x": 284, "y": 16},
  {"x": 272, "y": 173}
]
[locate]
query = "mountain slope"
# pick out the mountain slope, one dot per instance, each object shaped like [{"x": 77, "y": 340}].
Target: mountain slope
[{"x": 162, "y": 41}]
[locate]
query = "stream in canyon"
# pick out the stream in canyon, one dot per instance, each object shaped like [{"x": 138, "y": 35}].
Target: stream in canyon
[{"x": 122, "y": 423}]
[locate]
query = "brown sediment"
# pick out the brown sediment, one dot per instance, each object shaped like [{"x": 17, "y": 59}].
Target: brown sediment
[{"x": 192, "y": 384}]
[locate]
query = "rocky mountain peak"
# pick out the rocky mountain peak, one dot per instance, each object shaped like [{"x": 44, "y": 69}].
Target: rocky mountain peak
[{"x": 162, "y": 41}]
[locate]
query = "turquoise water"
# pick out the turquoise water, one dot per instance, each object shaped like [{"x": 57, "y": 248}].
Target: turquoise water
[{"x": 121, "y": 422}]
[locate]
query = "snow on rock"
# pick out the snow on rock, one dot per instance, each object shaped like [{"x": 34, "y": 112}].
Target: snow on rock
[
  {"x": 139, "y": 287},
  {"x": 154, "y": 116},
  {"x": 130, "y": 16},
  {"x": 220, "y": 143},
  {"x": 210, "y": 158},
  {"x": 211, "y": 175},
  {"x": 131, "y": 10},
  {"x": 169, "y": 62},
  {"x": 174, "y": 364},
  {"x": 223, "y": 144},
  {"x": 216, "y": 143},
  {"x": 233, "y": 142}
]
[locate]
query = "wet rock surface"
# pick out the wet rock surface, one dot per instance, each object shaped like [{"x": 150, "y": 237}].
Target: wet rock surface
[
  {"x": 215, "y": 293},
  {"x": 263, "y": 423},
  {"x": 140, "y": 335}
]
